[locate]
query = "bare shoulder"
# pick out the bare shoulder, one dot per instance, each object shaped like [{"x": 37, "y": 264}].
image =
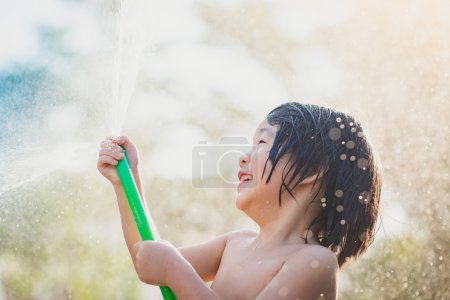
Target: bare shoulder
[
  {"x": 309, "y": 273},
  {"x": 241, "y": 234},
  {"x": 316, "y": 256},
  {"x": 320, "y": 270}
]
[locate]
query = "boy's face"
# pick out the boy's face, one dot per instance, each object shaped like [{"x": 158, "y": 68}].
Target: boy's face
[{"x": 254, "y": 195}]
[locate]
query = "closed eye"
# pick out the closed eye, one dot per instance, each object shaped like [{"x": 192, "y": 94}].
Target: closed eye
[{"x": 261, "y": 141}]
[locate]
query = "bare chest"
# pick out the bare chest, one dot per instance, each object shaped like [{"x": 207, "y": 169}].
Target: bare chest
[{"x": 244, "y": 274}]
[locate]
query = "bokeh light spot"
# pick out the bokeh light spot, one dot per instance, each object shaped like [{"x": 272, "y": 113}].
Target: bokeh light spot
[
  {"x": 314, "y": 264},
  {"x": 339, "y": 193},
  {"x": 321, "y": 297},
  {"x": 350, "y": 144},
  {"x": 283, "y": 292},
  {"x": 362, "y": 163},
  {"x": 363, "y": 198},
  {"x": 334, "y": 133}
]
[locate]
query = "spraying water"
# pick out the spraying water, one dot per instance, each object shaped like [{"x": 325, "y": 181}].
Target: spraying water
[
  {"x": 25, "y": 159},
  {"x": 32, "y": 163},
  {"x": 130, "y": 42}
]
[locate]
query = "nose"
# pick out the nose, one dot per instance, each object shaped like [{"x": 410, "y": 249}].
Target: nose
[{"x": 243, "y": 159}]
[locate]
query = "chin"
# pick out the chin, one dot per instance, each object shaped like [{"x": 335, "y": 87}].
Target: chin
[{"x": 242, "y": 201}]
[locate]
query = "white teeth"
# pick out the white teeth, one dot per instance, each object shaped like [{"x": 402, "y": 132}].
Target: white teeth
[{"x": 247, "y": 177}]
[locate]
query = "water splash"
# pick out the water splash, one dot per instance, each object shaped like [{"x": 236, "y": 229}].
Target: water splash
[
  {"x": 22, "y": 165},
  {"x": 25, "y": 160},
  {"x": 129, "y": 45}
]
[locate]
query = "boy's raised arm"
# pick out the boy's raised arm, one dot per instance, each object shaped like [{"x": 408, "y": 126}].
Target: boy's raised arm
[
  {"x": 129, "y": 227},
  {"x": 109, "y": 155}
]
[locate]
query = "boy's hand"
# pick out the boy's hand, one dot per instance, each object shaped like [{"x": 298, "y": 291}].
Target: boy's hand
[
  {"x": 110, "y": 153},
  {"x": 155, "y": 260}
]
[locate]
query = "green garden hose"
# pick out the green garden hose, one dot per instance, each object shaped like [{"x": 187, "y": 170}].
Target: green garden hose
[{"x": 135, "y": 202}]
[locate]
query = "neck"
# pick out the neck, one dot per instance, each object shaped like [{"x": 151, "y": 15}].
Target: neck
[{"x": 288, "y": 224}]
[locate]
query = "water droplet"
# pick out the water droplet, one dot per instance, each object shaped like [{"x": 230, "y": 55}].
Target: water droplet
[
  {"x": 283, "y": 292},
  {"x": 350, "y": 144},
  {"x": 362, "y": 163},
  {"x": 360, "y": 134},
  {"x": 339, "y": 208},
  {"x": 343, "y": 156},
  {"x": 342, "y": 222},
  {"x": 363, "y": 198},
  {"x": 323, "y": 199},
  {"x": 324, "y": 204},
  {"x": 334, "y": 133},
  {"x": 342, "y": 126},
  {"x": 353, "y": 129},
  {"x": 352, "y": 158},
  {"x": 339, "y": 193},
  {"x": 338, "y": 119},
  {"x": 314, "y": 264},
  {"x": 351, "y": 123}
]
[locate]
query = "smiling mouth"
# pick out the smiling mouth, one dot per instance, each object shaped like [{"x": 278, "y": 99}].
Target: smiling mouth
[{"x": 245, "y": 177}]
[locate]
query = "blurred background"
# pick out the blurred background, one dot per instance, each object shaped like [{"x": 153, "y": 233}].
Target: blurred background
[{"x": 170, "y": 74}]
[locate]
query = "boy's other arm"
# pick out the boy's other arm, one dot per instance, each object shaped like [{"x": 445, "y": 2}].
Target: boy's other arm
[
  {"x": 184, "y": 269},
  {"x": 311, "y": 274}
]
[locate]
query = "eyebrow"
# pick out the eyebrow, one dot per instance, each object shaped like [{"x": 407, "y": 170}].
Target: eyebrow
[{"x": 264, "y": 129}]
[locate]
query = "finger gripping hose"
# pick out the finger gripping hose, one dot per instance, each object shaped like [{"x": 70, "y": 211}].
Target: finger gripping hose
[{"x": 137, "y": 207}]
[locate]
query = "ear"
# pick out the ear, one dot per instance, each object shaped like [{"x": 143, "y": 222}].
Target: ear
[{"x": 312, "y": 178}]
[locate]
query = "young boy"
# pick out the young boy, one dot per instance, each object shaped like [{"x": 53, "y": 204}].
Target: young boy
[{"x": 310, "y": 182}]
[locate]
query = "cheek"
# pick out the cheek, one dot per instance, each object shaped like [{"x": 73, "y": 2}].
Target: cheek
[
  {"x": 259, "y": 160},
  {"x": 273, "y": 186}
]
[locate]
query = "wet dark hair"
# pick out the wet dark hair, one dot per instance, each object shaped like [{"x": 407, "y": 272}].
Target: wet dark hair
[{"x": 322, "y": 140}]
